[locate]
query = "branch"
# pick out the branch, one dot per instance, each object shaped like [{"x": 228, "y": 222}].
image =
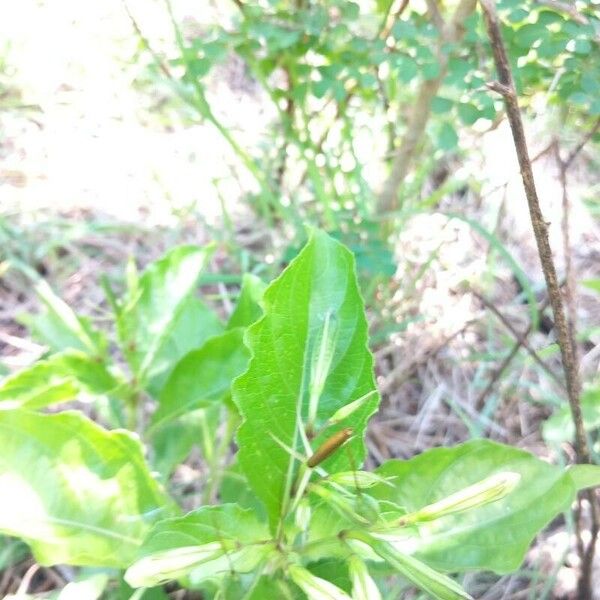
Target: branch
[
  {"x": 451, "y": 32},
  {"x": 390, "y": 18},
  {"x": 540, "y": 229},
  {"x": 521, "y": 338},
  {"x": 567, "y": 8},
  {"x": 584, "y": 140},
  {"x": 507, "y": 360}
]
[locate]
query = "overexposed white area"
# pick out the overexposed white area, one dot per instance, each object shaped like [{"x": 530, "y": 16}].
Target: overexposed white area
[{"x": 83, "y": 137}]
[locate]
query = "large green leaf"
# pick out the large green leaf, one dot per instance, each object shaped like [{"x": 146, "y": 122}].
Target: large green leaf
[
  {"x": 495, "y": 536},
  {"x": 210, "y": 541},
  {"x": 157, "y": 306},
  {"x": 318, "y": 288},
  {"x": 60, "y": 378},
  {"x": 76, "y": 493},
  {"x": 202, "y": 376}
]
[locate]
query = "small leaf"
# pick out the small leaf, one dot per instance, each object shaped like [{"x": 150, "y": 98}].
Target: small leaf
[
  {"x": 60, "y": 378},
  {"x": 438, "y": 586},
  {"x": 202, "y": 376},
  {"x": 60, "y": 328},
  {"x": 441, "y": 105},
  {"x": 90, "y": 588},
  {"x": 152, "y": 309},
  {"x": 315, "y": 588},
  {"x": 363, "y": 585},
  {"x": 468, "y": 113},
  {"x": 559, "y": 428},
  {"x": 248, "y": 308},
  {"x": 487, "y": 490},
  {"x": 166, "y": 565},
  {"x": 77, "y": 494},
  {"x": 447, "y": 137}
]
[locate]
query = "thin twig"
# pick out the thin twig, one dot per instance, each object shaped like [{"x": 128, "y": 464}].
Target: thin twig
[
  {"x": 507, "y": 360},
  {"x": 157, "y": 58},
  {"x": 584, "y": 140},
  {"x": 507, "y": 89},
  {"x": 520, "y": 337},
  {"x": 390, "y": 18},
  {"x": 566, "y": 7}
]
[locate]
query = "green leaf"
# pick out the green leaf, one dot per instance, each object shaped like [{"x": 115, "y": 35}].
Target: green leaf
[
  {"x": 440, "y": 105},
  {"x": 248, "y": 308},
  {"x": 407, "y": 68},
  {"x": 318, "y": 286},
  {"x": 585, "y": 476},
  {"x": 88, "y": 588},
  {"x": 60, "y": 378},
  {"x": 209, "y": 541},
  {"x": 157, "y": 307},
  {"x": 592, "y": 284},
  {"x": 60, "y": 328},
  {"x": 583, "y": 46},
  {"x": 468, "y": 113},
  {"x": 559, "y": 427},
  {"x": 173, "y": 442},
  {"x": 438, "y": 586},
  {"x": 495, "y": 536},
  {"x": 192, "y": 327},
  {"x": 203, "y": 376},
  {"x": 76, "y": 493},
  {"x": 447, "y": 137}
]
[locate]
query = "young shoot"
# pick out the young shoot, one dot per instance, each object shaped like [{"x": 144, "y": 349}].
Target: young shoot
[
  {"x": 477, "y": 495},
  {"x": 322, "y": 359}
]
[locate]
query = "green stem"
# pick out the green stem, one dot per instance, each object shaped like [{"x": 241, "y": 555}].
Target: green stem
[{"x": 267, "y": 198}]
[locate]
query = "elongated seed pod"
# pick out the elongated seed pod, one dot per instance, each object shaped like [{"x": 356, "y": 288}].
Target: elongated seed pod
[{"x": 329, "y": 446}]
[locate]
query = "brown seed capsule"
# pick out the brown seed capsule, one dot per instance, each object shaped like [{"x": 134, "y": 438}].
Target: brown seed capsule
[{"x": 328, "y": 447}]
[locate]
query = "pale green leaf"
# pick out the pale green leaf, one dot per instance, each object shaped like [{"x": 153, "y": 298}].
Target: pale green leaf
[
  {"x": 60, "y": 378},
  {"x": 209, "y": 541},
  {"x": 248, "y": 308},
  {"x": 585, "y": 476},
  {"x": 202, "y": 376},
  {"x": 320, "y": 283},
  {"x": 153, "y": 308},
  {"x": 494, "y": 536},
  {"x": 90, "y": 588},
  {"x": 194, "y": 324},
  {"x": 76, "y": 493},
  {"x": 559, "y": 427},
  {"x": 60, "y": 328}
]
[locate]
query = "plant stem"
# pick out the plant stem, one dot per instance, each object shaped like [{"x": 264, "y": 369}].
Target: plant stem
[
  {"x": 402, "y": 161},
  {"x": 506, "y": 87}
]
